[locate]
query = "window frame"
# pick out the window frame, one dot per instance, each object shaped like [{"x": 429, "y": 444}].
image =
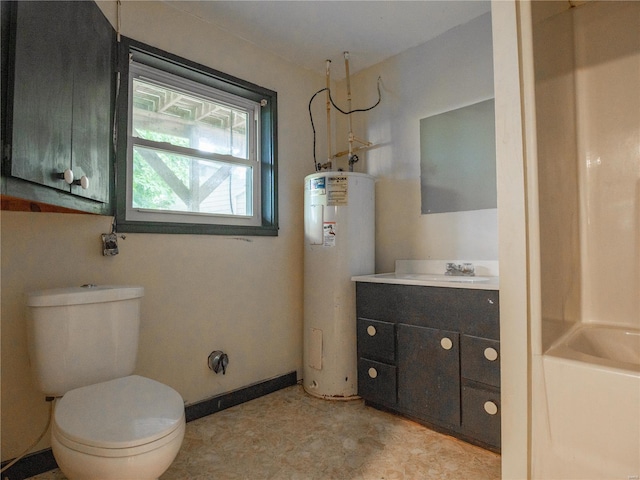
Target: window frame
[
  {"x": 267, "y": 222},
  {"x": 141, "y": 72}
]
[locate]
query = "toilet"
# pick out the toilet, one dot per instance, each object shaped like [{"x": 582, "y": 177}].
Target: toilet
[{"x": 107, "y": 423}]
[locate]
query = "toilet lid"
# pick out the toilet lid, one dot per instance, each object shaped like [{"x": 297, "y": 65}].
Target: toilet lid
[{"x": 119, "y": 413}]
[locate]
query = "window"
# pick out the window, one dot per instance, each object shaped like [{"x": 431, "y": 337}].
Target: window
[{"x": 196, "y": 148}]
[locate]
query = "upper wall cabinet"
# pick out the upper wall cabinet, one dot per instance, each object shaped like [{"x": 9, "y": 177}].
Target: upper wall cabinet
[{"x": 60, "y": 75}]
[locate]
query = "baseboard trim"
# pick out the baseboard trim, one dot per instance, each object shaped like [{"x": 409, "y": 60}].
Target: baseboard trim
[
  {"x": 43, "y": 461},
  {"x": 33, "y": 464},
  {"x": 236, "y": 397}
]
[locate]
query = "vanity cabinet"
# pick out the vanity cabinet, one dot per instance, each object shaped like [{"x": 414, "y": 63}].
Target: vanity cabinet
[
  {"x": 60, "y": 74},
  {"x": 433, "y": 355}
]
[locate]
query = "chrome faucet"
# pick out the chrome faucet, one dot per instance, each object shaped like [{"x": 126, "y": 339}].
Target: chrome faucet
[{"x": 463, "y": 269}]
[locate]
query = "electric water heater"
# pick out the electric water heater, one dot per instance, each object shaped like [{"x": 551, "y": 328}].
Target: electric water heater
[{"x": 339, "y": 236}]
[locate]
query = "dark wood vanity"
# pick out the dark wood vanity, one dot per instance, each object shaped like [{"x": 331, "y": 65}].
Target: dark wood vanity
[{"x": 432, "y": 354}]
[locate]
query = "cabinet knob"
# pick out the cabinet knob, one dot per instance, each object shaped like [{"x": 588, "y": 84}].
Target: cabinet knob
[
  {"x": 371, "y": 330},
  {"x": 490, "y": 407},
  {"x": 373, "y": 373},
  {"x": 446, "y": 343},
  {"x": 83, "y": 182},
  {"x": 67, "y": 176},
  {"x": 490, "y": 354}
]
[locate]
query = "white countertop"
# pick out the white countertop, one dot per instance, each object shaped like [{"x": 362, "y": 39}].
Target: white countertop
[{"x": 419, "y": 272}]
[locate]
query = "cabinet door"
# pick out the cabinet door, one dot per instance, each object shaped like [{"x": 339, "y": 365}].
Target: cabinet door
[
  {"x": 42, "y": 93},
  {"x": 480, "y": 360},
  {"x": 91, "y": 55},
  {"x": 429, "y": 373},
  {"x": 62, "y": 96},
  {"x": 481, "y": 414},
  {"x": 376, "y": 340},
  {"x": 377, "y": 382}
]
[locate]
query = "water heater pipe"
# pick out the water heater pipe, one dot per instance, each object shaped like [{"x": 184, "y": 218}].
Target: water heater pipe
[
  {"x": 352, "y": 138},
  {"x": 329, "y": 113},
  {"x": 346, "y": 68},
  {"x": 364, "y": 144}
]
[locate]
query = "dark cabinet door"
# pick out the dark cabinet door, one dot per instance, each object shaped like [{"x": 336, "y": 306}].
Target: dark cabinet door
[
  {"x": 61, "y": 97},
  {"x": 480, "y": 359},
  {"x": 429, "y": 373},
  {"x": 42, "y": 93},
  {"x": 377, "y": 382},
  {"x": 92, "y": 86},
  {"x": 481, "y": 413},
  {"x": 376, "y": 340}
]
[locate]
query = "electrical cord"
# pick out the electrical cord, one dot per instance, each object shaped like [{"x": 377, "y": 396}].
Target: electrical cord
[
  {"x": 327, "y": 89},
  {"x": 46, "y": 428},
  {"x": 313, "y": 127},
  {"x": 358, "y": 109}
]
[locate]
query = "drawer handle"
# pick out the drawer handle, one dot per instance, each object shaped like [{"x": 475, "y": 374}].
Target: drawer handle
[
  {"x": 371, "y": 330},
  {"x": 446, "y": 343},
  {"x": 490, "y": 407},
  {"x": 490, "y": 354},
  {"x": 373, "y": 373}
]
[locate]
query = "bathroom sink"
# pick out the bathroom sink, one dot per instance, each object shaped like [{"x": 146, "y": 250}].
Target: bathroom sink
[
  {"x": 436, "y": 277},
  {"x": 431, "y": 273},
  {"x": 433, "y": 279}
]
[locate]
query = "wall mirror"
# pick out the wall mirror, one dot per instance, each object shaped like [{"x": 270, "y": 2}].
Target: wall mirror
[{"x": 458, "y": 159}]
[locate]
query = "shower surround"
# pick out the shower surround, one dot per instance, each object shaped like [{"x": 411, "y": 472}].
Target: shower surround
[{"x": 587, "y": 73}]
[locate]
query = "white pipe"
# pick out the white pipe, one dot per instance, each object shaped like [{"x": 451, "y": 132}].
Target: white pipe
[
  {"x": 328, "y": 111},
  {"x": 346, "y": 67}
]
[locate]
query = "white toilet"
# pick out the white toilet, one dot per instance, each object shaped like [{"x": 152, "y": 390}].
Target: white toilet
[{"x": 109, "y": 424}]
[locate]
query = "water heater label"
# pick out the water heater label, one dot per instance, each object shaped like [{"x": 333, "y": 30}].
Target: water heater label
[
  {"x": 317, "y": 185},
  {"x": 337, "y": 189},
  {"x": 330, "y": 231}
]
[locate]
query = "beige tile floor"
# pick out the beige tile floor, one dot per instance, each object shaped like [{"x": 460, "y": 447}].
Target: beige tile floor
[{"x": 290, "y": 435}]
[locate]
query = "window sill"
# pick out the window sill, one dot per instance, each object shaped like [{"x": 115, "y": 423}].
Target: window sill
[{"x": 196, "y": 229}]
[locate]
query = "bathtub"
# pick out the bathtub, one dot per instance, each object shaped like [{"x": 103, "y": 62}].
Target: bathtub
[
  {"x": 592, "y": 385},
  {"x": 602, "y": 346}
]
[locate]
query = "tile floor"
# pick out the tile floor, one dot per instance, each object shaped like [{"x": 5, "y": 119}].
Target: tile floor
[{"x": 290, "y": 435}]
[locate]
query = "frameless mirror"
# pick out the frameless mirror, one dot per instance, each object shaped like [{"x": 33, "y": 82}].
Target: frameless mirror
[{"x": 458, "y": 159}]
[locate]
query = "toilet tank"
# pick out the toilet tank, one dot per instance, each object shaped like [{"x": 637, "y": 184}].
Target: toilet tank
[{"x": 82, "y": 335}]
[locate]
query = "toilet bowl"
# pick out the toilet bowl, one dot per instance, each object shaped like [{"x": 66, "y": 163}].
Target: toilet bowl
[{"x": 121, "y": 429}]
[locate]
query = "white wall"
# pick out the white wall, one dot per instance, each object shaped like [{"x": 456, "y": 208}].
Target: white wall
[
  {"x": 448, "y": 72},
  {"x": 241, "y": 295},
  {"x": 515, "y": 116}
]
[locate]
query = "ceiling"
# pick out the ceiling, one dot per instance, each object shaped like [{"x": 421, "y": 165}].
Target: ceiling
[{"x": 308, "y": 32}]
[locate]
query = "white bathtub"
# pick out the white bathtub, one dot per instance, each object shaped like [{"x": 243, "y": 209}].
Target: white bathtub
[
  {"x": 602, "y": 345},
  {"x": 592, "y": 383}
]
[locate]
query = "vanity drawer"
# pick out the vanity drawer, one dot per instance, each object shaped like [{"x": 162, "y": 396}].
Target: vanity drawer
[
  {"x": 377, "y": 381},
  {"x": 481, "y": 414},
  {"x": 376, "y": 340},
  {"x": 480, "y": 359}
]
